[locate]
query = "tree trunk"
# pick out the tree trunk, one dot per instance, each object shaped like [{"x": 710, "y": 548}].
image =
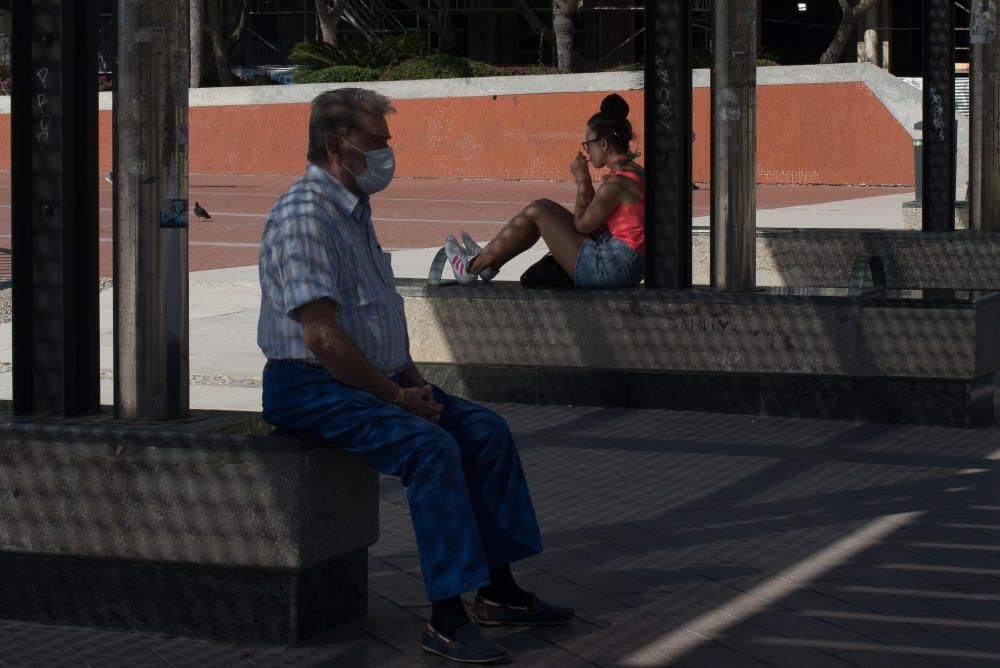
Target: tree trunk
[
  {"x": 223, "y": 38},
  {"x": 220, "y": 57},
  {"x": 537, "y": 27},
  {"x": 329, "y": 18},
  {"x": 562, "y": 25},
  {"x": 446, "y": 36},
  {"x": 197, "y": 44},
  {"x": 849, "y": 18}
]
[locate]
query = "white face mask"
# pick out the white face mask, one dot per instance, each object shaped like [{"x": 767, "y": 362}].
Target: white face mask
[{"x": 381, "y": 168}]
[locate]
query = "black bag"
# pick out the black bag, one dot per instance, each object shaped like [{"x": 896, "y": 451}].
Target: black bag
[{"x": 546, "y": 273}]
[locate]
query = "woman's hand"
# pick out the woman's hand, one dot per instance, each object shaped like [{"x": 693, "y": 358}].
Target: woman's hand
[{"x": 580, "y": 168}]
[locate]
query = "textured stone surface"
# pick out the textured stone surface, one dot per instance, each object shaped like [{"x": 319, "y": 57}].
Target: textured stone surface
[
  {"x": 701, "y": 332},
  {"x": 913, "y": 215},
  {"x": 825, "y": 258},
  {"x": 894, "y": 401},
  {"x": 237, "y": 605},
  {"x": 206, "y": 491}
]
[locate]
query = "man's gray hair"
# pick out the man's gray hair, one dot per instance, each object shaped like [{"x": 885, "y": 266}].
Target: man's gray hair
[{"x": 338, "y": 112}]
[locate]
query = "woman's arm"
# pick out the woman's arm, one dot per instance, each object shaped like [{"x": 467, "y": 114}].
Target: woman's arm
[
  {"x": 584, "y": 196},
  {"x": 594, "y": 216},
  {"x": 584, "y": 185}
]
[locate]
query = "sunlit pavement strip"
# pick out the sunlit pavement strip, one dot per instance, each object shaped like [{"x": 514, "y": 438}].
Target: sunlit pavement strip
[{"x": 707, "y": 626}]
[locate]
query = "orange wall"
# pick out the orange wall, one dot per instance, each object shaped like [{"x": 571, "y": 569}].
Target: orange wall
[{"x": 835, "y": 133}]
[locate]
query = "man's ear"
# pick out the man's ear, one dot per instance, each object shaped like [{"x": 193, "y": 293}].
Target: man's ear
[{"x": 333, "y": 148}]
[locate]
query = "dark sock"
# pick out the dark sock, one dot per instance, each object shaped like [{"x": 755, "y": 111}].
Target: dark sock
[
  {"x": 448, "y": 614},
  {"x": 503, "y": 589}
]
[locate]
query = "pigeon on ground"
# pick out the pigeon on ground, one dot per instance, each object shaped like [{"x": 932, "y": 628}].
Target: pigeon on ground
[{"x": 200, "y": 211}]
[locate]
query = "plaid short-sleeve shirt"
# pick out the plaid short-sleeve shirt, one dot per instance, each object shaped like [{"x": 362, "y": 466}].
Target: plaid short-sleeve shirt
[{"x": 319, "y": 242}]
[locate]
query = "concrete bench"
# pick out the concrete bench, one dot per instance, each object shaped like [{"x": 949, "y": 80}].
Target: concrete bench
[
  {"x": 212, "y": 527},
  {"x": 825, "y": 257},
  {"x": 926, "y": 358}
]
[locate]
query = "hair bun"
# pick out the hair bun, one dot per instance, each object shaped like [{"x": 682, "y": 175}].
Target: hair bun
[{"x": 614, "y": 106}]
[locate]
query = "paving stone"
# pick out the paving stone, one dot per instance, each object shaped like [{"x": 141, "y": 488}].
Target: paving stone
[
  {"x": 382, "y": 610},
  {"x": 793, "y": 624},
  {"x": 785, "y": 657},
  {"x": 601, "y": 581},
  {"x": 712, "y": 656},
  {"x": 657, "y": 521},
  {"x": 890, "y": 605},
  {"x": 968, "y": 608},
  {"x": 112, "y": 648},
  {"x": 884, "y": 659},
  {"x": 561, "y": 591},
  {"x": 409, "y": 564},
  {"x": 401, "y": 588},
  {"x": 403, "y": 638},
  {"x": 30, "y": 646}
]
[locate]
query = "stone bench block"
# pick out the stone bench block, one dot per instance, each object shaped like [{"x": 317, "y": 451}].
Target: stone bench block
[
  {"x": 824, "y": 258},
  {"x": 914, "y": 357},
  {"x": 212, "y": 526}
]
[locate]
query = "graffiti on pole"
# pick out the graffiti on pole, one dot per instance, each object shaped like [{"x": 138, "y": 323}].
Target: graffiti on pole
[{"x": 983, "y": 22}]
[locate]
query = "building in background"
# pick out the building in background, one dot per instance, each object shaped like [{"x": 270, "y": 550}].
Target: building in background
[{"x": 609, "y": 33}]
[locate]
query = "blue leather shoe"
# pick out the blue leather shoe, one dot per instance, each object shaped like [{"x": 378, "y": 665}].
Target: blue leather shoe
[
  {"x": 468, "y": 646},
  {"x": 539, "y": 613}
]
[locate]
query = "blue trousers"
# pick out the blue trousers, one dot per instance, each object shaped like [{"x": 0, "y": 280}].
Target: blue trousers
[{"x": 469, "y": 501}]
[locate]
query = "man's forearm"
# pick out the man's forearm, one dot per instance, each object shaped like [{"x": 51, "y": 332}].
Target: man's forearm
[
  {"x": 411, "y": 377},
  {"x": 348, "y": 365}
]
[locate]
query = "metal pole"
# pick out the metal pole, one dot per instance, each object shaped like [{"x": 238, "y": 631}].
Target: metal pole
[
  {"x": 56, "y": 337},
  {"x": 984, "y": 139},
  {"x": 939, "y": 133},
  {"x": 734, "y": 144},
  {"x": 668, "y": 144},
  {"x": 151, "y": 210}
]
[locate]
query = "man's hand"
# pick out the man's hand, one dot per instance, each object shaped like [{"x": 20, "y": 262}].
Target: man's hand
[{"x": 420, "y": 402}]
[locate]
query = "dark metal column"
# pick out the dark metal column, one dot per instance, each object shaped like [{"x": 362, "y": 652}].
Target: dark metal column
[
  {"x": 668, "y": 144},
  {"x": 939, "y": 115},
  {"x": 984, "y": 121},
  {"x": 734, "y": 144},
  {"x": 151, "y": 210},
  {"x": 54, "y": 207}
]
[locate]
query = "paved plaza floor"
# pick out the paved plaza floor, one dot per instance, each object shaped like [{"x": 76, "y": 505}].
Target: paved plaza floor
[
  {"x": 687, "y": 539},
  {"x": 682, "y": 539}
]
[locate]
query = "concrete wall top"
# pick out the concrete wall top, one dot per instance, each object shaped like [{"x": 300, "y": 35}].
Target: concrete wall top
[
  {"x": 816, "y": 124},
  {"x": 897, "y": 95}
]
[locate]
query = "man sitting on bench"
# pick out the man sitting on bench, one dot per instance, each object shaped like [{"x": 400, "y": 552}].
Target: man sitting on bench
[{"x": 333, "y": 330}]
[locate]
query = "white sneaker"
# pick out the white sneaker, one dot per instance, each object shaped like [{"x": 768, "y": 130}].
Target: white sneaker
[
  {"x": 475, "y": 249},
  {"x": 458, "y": 258}
]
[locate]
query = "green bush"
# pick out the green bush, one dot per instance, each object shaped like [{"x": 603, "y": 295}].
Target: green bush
[
  {"x": 435, "y": 66},
  {"x": 359, "y": 52},
  {"x": 262, "y": 80},
  {"x": 519, "y": 70},
  {"x": 336, "y": 74},
  {"x": 627, "y": 67},
  {"x": 481, "y": 69}
]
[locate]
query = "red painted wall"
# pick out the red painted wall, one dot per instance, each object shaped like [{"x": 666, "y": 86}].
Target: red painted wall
[{"x": 835, "y": 133}]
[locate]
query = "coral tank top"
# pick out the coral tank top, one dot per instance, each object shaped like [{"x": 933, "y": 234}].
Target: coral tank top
[{"x": 628, "y": 221}]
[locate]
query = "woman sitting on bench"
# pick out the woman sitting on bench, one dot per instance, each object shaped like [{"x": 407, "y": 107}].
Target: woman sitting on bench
[{"x": 600, "y": 243}]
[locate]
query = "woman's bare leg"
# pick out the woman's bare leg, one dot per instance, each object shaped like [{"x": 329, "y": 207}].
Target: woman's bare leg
[{"x": 542, "y": 218}]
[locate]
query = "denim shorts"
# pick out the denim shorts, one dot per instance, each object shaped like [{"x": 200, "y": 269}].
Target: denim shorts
[{"x": 608, "y": 262}]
